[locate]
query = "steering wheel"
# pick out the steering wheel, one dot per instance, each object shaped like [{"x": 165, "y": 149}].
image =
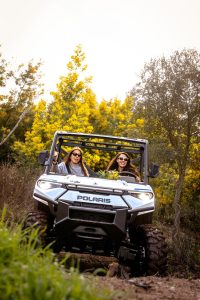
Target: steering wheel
[{"x": 127, "y": 173}]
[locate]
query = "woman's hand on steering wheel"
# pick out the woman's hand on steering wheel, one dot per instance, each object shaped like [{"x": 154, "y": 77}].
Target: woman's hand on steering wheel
[{"x": 127, "y": 173}]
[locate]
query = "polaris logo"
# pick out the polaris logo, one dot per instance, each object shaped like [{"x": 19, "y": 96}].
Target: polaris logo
[{"x": 94, "y": 199}]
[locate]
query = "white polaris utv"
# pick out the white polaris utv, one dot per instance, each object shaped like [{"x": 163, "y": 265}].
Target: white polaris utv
[{"x": 98, "y": 215}]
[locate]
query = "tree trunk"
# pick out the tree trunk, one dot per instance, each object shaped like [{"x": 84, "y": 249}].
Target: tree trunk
[{"x": 177, "y": 211}]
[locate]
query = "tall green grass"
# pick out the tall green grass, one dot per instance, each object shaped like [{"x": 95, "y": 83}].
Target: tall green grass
[{"x": 31, "y": 273}]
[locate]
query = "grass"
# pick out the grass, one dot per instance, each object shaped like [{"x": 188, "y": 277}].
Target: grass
[
  {"x": 16, "y": 190},
  {"x": 31, "y": 273}
]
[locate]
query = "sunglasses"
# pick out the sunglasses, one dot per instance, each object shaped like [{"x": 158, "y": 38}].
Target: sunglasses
[
  {"x": 122, "y": 158},
  {"x": 76, "y": 154}
]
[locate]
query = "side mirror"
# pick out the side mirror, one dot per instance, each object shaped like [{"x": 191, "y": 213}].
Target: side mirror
[
  {"x": 154, "y": 170},
  {"x": 42, "y": 157}
]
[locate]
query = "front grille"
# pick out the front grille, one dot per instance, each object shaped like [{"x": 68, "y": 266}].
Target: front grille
[
  {"x": 88, "y": 216},
  {"x": 92, "y": 205}
]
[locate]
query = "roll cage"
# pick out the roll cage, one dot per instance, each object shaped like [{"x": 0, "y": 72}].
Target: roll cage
[{"x": 134, "y": 147}]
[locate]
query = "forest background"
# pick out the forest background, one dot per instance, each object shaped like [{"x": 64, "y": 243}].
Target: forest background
[{"x": 162, "y": 107}]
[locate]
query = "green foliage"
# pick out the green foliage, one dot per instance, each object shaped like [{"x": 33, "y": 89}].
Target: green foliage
[
  {"x": 191, "y": 193},
  {"x": 168, "y": 98},
  {"x": 109, "y": 174},
  {"x": 163, "y": 187},
  {"x": 164, "y": 184},
  {"x": 19, "y": 87},
  {"x": 29, "y": 273}
]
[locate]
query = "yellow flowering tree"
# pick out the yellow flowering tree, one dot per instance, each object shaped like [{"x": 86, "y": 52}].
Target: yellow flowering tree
[
  {"x": 72, "y": 109},
  {"x": 35, "y": 139}
]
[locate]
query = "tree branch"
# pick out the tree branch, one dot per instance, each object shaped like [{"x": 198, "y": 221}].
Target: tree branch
[{"x": 16, "y": 125}]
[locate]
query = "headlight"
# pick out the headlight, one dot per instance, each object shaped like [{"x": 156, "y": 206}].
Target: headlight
[
  {"x": 46, "y": 185},
  {"x": 143, "y": 196}
]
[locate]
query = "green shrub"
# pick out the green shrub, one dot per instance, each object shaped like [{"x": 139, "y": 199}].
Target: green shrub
[{"x": 31, "y": 273}]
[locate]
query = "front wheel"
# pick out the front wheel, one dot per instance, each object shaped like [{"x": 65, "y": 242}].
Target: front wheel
[
  {"x": 39, "y": 220},
  {"x": 155, "y": 248}
]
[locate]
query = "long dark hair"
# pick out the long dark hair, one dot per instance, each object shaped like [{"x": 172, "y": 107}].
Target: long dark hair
[
  {"x": 113, "y": 165},
  {"x": 67, "y": 160}
]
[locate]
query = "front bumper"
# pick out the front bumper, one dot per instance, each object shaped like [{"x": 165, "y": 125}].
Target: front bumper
[{"x": 90, "y": 223}]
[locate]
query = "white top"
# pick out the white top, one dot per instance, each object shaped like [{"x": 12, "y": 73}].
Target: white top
[{"x": 74, "y": 168}]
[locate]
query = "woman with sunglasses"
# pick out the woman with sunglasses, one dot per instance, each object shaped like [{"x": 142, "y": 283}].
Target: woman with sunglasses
[
  {"x": 122, "y": 163},
  {"x": 72, "y": 164}
]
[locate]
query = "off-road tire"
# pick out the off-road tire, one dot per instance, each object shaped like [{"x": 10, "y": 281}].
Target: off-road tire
[
  {"x": 39, "y": 220},
  {"x": 153, "y": 241}
]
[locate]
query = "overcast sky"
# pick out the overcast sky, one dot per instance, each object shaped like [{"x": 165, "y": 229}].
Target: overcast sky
[{"x": 117, "y": 36}]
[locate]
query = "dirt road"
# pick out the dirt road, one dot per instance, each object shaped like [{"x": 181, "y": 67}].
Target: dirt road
[
  {"x": 152, "y": 288},
  {"x": 138, "y": 288}
]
